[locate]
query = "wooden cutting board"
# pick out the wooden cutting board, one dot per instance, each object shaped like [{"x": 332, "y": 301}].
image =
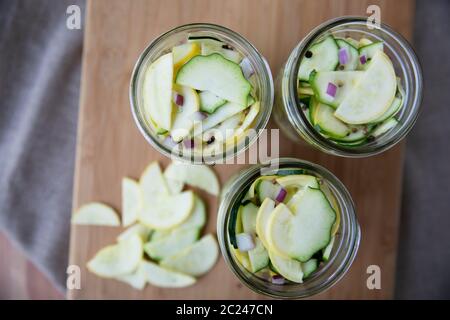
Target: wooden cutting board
[{"x": 110, "y": 146}]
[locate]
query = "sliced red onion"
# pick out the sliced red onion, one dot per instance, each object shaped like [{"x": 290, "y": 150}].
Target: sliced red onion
[
  {"x": 363, "y": 59},
  {"x": 281, "y": 195},
  {"x": 277, "y": 279},
  {"x": 189, "y": 143},
  {"x": 246, "y": 67},
  {"x": 198, "y": 116},
  {"x": 331, "y": 89},
  {"x": 343, "y": 56},
  {"x": 245, "y": 242},
  {"x": 178, "y": 99},
  {"x": 168, "y": 141}
]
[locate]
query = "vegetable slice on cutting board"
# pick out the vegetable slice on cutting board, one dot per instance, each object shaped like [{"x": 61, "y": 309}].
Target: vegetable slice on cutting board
[
  {"x": 119, "y": 259},
  {"x": 96, "y": 213},
  {"x": 131, "y": 201},
  {"x": 153, "y": 184},
  {"x": 199, "y": 176},
  {"x": 164, "y": 278},
  {"x": 168, "y": 212},
  {"x": 171, "y": 244},
  {"x": 195, "y": 260}
]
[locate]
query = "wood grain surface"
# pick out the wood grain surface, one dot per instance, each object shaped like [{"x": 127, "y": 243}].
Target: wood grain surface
[{"x": 110, "y": 146}]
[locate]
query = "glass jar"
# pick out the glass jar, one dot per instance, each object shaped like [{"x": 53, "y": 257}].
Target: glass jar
[
  {"x": 261, "y": 81},
  {"x": 345, "y": 245},
  {"x": 292, "y": 120}
]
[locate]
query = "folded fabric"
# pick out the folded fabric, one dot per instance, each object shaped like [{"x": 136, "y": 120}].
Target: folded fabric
[{"x": 40, "y": 62}]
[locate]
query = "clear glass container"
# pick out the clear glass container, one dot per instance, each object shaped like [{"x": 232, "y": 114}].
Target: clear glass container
[
  {"x": 345, "y": 245},
  {"x": 292, "y": 120},
  {"x": 261, "y": 81}
]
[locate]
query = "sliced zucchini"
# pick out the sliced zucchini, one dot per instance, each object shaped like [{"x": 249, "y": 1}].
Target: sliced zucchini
[
  {"x": 322, "y": 56},
  {"x": 306, "y": 91},
  {"x": 229, "y": 82},
  {"x": 328, "y": 123},
  {"x": 195, "y": 260},
  {"x": 183, "y": 53},
  {"x": 313, "y": 110},
  {"x": 96, "y": 213},
  {"x": 226, "y": 111},
  {"x": 168, "y": 212},
  {"x": 157, "y": 91},
  {"x": 248, "y": 216},
  {"x": 267, "y": 189},
  {"x": 259, "y": 258},
  {"x": 153, "y": 185},
  {"x": 142, "y": 231},
  {"x": 235, "y": 225},
  {"x": 248, "y": 120},
  {"x": 345, "y": 81},
  {"x": 242, "y": 258},
  {"x": 384, "y": 127},
  {"x": 328, "y": 248},
  {"x": 238, "y": 225},
  {"x": 209, "y": 102},
  {"x": 303, "y": 229},
  {"x": 200, "y": 176},
  {"x": 137, "y": 279},
  {"x": 210, "y": 46},
  {"x": 131, "y": 201},
  {"x": 164, "y": 278},
  {"x": 183, "y": 122},
  {"x": 252, "y": 189},
  {"x": 289, "y": 268},
  {"x": 299, "y": 181},
  {"x": 364, "y": 42},
  {"x": 224, "y": 130},
  {"x": 352, "y": 42},
  {"x": 119, "y": 259},
  {"x": 368, "y": 51},
  {"x": 272, "y": 267},
  {"x": 173, "y": 243},
  {"x": 197, "y": 219},
  {"x": 352, "y": 54},
  {"x": 262, "y": 219},
  {"x": 373, "y": 94},
  {"x": 393, "y": 109},
  {"x": 309, "y": 267}
]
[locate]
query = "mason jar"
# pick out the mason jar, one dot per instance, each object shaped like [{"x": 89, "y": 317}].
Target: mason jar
[
  {"x": 261, "y": 81},
  {"x": 345, "y": 245},
  {"x": 288, "y": 108}
]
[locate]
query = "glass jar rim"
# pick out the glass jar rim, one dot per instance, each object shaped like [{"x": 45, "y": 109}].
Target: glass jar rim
[
  {"x": 291, "y": 100},
  {"x": 266, "y": 97},
  {"x": 352, "y": 232}
]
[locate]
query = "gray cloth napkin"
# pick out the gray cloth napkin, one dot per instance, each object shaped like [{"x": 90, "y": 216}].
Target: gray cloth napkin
[
  {"x": 40, "y": 63},
  {"x": 423, "y": 262},
  {"x": 39, "y": 87}
]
